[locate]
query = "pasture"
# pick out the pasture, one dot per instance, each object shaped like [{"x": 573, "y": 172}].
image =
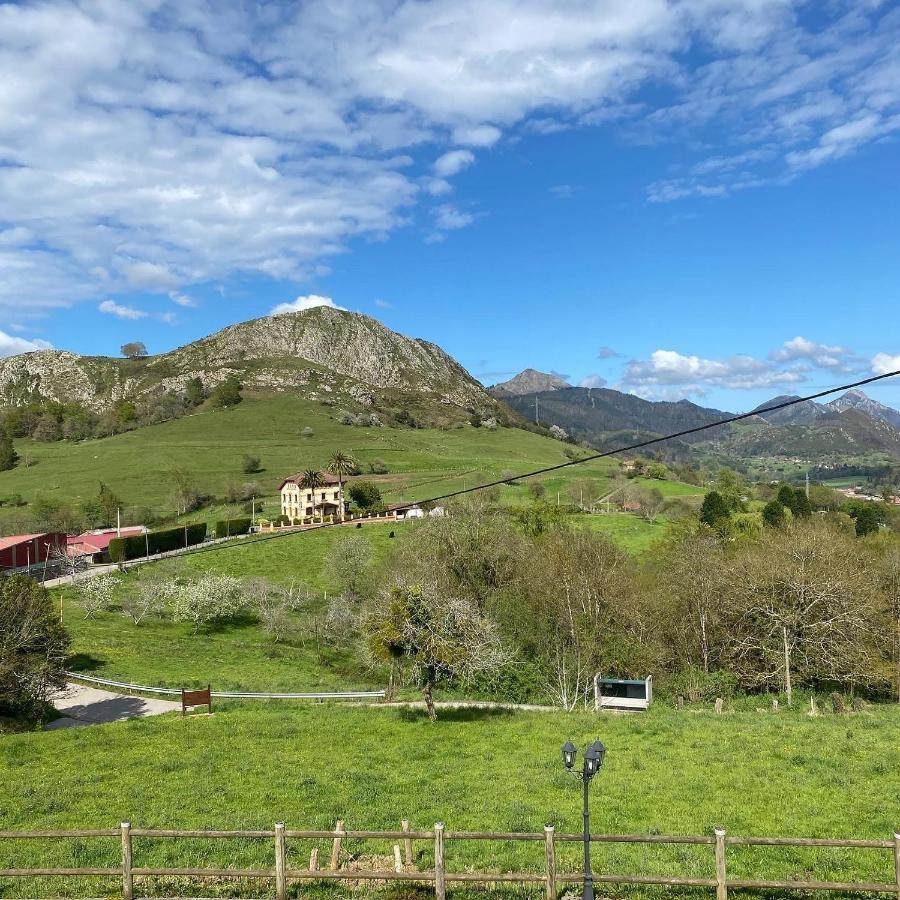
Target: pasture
[{"x": 667, "y": 772}]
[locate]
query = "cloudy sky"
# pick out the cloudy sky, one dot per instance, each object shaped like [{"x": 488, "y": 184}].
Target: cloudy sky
[{"x": 692, "y": 197}]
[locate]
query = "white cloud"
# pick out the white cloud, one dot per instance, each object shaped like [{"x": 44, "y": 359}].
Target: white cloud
[
  {"x": 448, "y": 218},
  {"x": 477, "y": 135},
  {"x": 607, "y": 353},
  {"x": 452, "y": 162},
  {"x": 383, "y": 304},
  {"x": 155, "y": 145},
  {"x": 833, "y": 357},
  {"x": 668, "y": 367},
  {"x": 120, "y": 311},
  {"x": 182, "y": 299},
  {"x": 882, "y": 363},
  {"x": 309, "y": 301},
  {"x": 593, "y": 381},
  {"x": 11, "y": 346},
  {"x": 151, "y": 276}
]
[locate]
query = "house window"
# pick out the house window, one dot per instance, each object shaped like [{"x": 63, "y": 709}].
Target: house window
[
  {"x": 308, "y": 498},
  {"x": 335, "y": 495}
]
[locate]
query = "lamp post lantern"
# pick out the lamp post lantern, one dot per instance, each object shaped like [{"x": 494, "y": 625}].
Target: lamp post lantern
[{"x": 593, "y": 761}]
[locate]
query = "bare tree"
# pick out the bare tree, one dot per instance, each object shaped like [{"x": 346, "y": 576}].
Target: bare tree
[
  {"x": 801, "y": 608},
  {"x": 349, "y": 563}
]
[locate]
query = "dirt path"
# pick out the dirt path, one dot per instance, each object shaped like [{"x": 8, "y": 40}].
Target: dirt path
[{"x": 82, "y": 705}]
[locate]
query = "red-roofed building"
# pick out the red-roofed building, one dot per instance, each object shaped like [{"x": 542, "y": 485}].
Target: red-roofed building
[
  {"x": 21, "y": 551},
  {"x": 95, "y": 544}
]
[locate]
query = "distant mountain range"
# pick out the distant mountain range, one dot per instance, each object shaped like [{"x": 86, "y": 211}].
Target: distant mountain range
[{"x": 853, "y": 425}]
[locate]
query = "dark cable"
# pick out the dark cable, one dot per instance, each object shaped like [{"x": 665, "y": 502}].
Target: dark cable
[{"x": 577, "y": 462}]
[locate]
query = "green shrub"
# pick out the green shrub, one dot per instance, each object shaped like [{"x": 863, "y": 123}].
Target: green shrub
[
  {"x": 138, "y": 545},
  {"x": 231, "y": 527}
]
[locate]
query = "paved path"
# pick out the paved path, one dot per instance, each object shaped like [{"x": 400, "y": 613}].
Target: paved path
[{"x": 82, "y": 705}]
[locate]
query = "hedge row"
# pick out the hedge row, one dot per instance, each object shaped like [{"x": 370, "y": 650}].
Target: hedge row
[
  {"x": 230, "y": 527},
  {"x": 135, "y": 546}
]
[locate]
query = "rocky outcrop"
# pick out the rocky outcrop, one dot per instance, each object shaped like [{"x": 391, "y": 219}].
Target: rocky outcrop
[
  {"x": 317, "y": 351},
  {"x": 529, "y": 381}
]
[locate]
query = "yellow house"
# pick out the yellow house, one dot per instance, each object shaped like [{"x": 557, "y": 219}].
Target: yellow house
[{"x": 298, "y": 502}]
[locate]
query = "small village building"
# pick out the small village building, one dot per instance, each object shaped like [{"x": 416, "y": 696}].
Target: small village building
[
  {"x": 298, "y": 502},
  {"x": 95, "y": 544},
  {"x": 414, "y": 511},
  {"x": 20, "y": 552}
]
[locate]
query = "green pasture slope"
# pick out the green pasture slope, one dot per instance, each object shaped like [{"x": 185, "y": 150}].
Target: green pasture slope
[
  {"x": 239, "y": 655},
  {"x": 247, "y": 767},
  {"x": 211, "y": 444}
]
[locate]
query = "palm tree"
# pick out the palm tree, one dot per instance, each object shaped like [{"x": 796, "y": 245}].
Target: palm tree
[
  {"x": 342, "y": 465},
  {"x": 312, "y": 480}
]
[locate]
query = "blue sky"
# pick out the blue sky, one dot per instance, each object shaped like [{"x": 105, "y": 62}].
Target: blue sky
[{"x": 688, "y": 198}]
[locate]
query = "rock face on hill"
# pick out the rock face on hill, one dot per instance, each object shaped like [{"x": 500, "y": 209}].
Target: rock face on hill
[
  {"x": 320, "y": 353},
  {"x": 529, "y": 381}
]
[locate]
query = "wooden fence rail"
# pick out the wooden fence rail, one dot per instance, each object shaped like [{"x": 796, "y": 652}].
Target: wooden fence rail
[{"x": 439, "y": 836}]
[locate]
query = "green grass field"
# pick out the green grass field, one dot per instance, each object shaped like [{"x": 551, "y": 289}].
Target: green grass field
[
  {"x": 246, "y": 767},
  {"x": 239, "y": 656},
  {"x": 212, "y": 443}
]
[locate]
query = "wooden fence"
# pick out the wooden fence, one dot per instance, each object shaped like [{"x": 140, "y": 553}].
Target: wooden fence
[{"x": 404, "y": 870}]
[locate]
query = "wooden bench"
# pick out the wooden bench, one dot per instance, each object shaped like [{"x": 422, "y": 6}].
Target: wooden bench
[{"x": 190, "y": 699}]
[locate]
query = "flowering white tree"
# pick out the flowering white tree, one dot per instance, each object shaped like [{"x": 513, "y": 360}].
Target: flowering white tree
[
  {"x": 96, "y": 594},
  {"x": 209, "y": 600}
]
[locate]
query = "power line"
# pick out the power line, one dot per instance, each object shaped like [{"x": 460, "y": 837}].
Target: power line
[{"x": 577, "y": 462}]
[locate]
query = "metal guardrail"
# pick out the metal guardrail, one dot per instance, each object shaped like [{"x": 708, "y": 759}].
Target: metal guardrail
[{"x": 236, "y": 695}]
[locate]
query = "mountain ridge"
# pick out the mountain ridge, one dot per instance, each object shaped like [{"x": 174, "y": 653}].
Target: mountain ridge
[
  {"x": 528, "y": 381},
  {"x": 321, "y": 353}
]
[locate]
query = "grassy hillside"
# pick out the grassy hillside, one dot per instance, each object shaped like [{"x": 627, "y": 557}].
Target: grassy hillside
[
  {"x": 666, "y": 772},
  {"x": 239, "y": 656},
  {"x": 211, "y": 444}
]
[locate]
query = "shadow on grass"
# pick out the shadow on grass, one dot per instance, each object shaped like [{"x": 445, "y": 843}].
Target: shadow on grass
[
  {"x": 459, "y": 714},
  {"x": 84, "y": 662}
]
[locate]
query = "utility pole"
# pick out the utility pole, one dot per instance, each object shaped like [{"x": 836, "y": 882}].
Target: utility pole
[
  {"x": 807, "y": 485},
  {"x": 536, "y": 422},
  {"x": 253, "y": 513},
  {"x": 118, "y": 521}
]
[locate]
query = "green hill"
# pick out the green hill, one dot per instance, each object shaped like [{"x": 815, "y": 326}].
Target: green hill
[{"x": 210, "y": 445}]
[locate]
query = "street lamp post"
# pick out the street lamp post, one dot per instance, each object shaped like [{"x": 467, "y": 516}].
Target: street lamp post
[{"x": 593, "y": 760}]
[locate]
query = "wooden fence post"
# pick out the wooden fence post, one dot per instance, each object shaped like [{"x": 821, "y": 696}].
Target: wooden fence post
[
  {"x": 550, "y": 856},
  {"x": 398, "y": 859},
  {"x": 314, "y": 859},
  {"x": 127, "y": 877},
  {"x": 407, "y": 842},
  {"x": 336, "y": 847},
  {"x": 440, "y": 888},
  {"x": 721, "y": 871},
  {"x": 280, "y": 879},
  {"x": 897, "y": 861}
]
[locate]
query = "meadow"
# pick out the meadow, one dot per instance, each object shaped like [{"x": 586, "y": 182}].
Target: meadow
[
  {"x": 211, "y": 444},
  {"x": 248, "y": 766},
  {"x": 239, "y": 655}
]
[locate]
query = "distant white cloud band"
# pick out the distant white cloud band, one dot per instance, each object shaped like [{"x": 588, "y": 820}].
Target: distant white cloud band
[
  {"x": 12, "y": 346},
  {"x": 309, "y": 301},
  {"x": 790, "y": 364},
  {"x": 147, "y": 146}
]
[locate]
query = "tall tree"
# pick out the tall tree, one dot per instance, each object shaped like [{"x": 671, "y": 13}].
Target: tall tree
[
  {"x": 134, "y": 350},
  {"x": 109, "y": 504},
  {"x": 313, "y": 480},
  {"x": 8, "y": 455},
  {"x": 33, "y": 646},
  {"x": 442, "y": 638},
  {"x": 801, "y": 608},
  {"x": 342, "y": 465}
]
